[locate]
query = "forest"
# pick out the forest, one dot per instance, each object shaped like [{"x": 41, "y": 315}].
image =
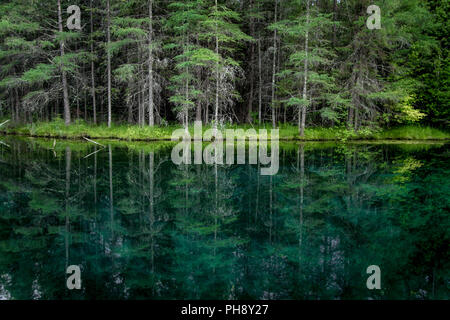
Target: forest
[
  {"x": 91, "y": 92},
  {"x": 279, "y": 63}
]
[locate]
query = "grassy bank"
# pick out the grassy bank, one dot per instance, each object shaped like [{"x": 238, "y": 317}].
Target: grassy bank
[{"x": 78, "y": 130}]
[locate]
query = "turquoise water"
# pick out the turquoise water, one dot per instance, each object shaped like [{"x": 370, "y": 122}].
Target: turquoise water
[{"x": 141, "y": 227}]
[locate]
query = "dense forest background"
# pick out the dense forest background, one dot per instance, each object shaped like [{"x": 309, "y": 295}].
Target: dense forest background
[{"x": 151, "y": 62}]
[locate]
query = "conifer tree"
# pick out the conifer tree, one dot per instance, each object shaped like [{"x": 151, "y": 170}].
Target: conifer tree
[{"x": 304, "y": 77}]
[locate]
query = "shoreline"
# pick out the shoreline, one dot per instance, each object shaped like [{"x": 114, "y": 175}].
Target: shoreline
[
  {"x": 113, "y": 138},
  {"x": 287, "y": 133}
]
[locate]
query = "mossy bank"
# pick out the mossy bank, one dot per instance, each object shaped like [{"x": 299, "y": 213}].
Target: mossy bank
[{"x": 79, "y": 130}]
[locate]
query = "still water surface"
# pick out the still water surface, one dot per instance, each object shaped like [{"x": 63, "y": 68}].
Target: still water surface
[{"x": 141, "y": 227}]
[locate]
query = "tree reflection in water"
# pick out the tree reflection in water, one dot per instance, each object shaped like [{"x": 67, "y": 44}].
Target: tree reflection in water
[{"x": 142, "y": 228}]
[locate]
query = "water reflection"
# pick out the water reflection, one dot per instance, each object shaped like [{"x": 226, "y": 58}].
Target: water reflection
[{"x": 142, "y": 228}]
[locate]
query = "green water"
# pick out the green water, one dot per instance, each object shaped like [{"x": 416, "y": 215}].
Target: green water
[{"x": 141, "y": 227}]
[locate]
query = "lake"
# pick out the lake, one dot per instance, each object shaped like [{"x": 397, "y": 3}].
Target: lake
[{"x": 141, "y": 227}]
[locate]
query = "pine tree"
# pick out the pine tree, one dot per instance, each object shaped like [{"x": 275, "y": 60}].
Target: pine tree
[
  {"x": 304, "y": 76},
  {"x": 221, "y": 28}
]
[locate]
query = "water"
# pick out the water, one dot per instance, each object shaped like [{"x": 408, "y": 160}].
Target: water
[{"x": 142, "y": 228}]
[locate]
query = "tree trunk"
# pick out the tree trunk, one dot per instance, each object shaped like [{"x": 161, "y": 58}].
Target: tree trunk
[
  {"x": 207, "y": 113},
  {"x": 198, "y": 115},
  {"x": 78, "y": 104},
  {"x": 139, "y": 104},
  {"x": 305, "y": 83},
  {"x": 274, "y": 66},
  {"x": 186, "y": 115},
  {"x": 252, "y": 68},
  {"x": 85, "y": 106},
  {"x": 94, "y": 107},
  {"x": 216, "y": 112},
  {"x": 63, "y": 72},
  {"x": 186, "y": 93},
  {"x": 260, "y": 81},
  {"x": 108, "y": 27},
  {"x": 151, "y": 117},
  {"x": 130, "y": 100}
]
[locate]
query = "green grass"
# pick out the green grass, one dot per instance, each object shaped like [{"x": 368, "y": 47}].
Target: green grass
[
  {"x": 80, "y": 129},
  {"x": 412, "y": 133}
]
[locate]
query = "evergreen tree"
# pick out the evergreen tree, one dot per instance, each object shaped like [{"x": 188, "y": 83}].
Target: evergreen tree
[{"x": 305, "y": 77}]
